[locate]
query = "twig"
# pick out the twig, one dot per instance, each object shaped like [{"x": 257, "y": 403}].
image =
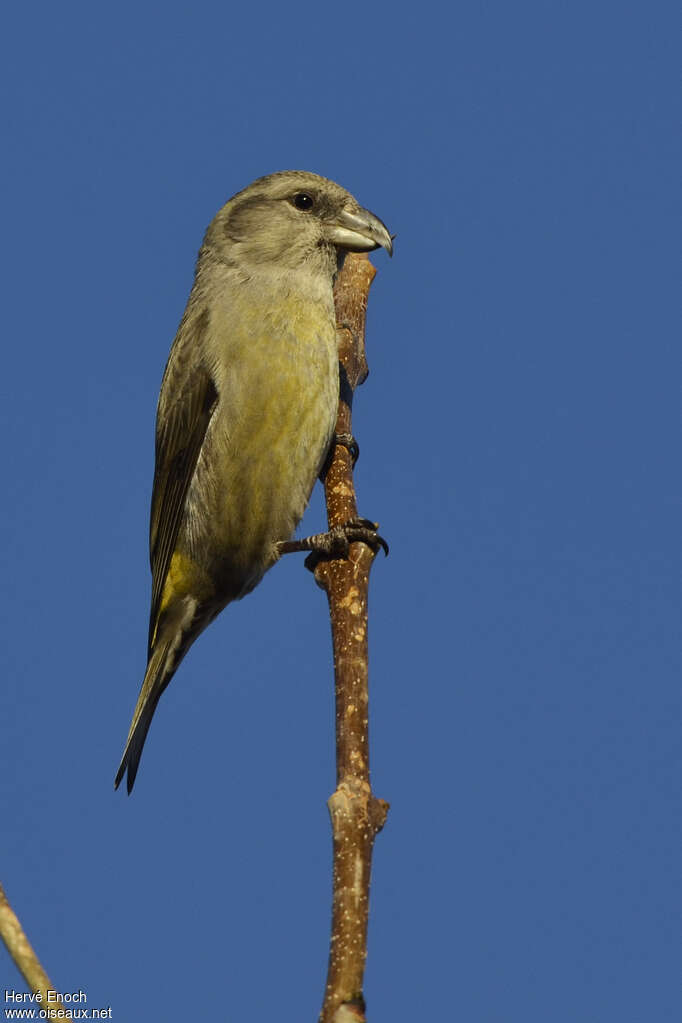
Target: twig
[
  {"x": 21, "y": 951},
  {"x": 356, "y": 815}
]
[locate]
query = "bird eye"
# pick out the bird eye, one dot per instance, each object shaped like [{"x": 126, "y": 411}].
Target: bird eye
[{"x": 303, "y": 201}]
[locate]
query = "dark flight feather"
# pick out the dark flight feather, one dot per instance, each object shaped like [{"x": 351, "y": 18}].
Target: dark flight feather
[{"x": 180, "y": 435}]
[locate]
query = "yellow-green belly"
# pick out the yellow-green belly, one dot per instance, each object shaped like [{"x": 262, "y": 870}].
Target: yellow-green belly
[{"x": 278, "y": 396}]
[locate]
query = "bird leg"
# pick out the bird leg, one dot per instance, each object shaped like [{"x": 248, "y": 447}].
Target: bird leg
[{"x": 336, "y": 543}]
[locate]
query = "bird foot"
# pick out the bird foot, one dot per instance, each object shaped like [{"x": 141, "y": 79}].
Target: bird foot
[
  {"x": 347, "y": 440},
  {"x": 336, "y": 543},
  {"x": 344, "y": 440}
]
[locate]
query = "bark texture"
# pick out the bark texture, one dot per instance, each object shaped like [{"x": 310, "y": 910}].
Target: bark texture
[{"x": 356, "y": 815}]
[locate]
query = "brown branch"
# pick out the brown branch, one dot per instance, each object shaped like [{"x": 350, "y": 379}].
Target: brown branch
[
  {"x": 356, "y": 815},
  {"x": 21, "y": 951}
]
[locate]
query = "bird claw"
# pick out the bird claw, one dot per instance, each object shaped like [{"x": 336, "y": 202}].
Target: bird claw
[
  {"x": 348, "y": 441},
  {"x": 336, "y": 543}
]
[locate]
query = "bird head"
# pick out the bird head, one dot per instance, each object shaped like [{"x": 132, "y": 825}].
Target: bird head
[{"x": 293, "y": 219}]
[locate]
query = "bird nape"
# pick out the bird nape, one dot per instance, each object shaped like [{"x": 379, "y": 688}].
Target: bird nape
[{"x": 247, "y": 409}]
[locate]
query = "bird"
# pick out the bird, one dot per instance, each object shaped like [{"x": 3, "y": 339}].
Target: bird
[{"x": 247, "y": 408}]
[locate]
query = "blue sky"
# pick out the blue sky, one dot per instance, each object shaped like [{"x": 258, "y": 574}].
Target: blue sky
[{"x": 519, "y": 434}]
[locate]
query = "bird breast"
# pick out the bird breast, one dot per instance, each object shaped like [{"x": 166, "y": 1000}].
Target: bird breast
[{"x": 275, "y": 364}]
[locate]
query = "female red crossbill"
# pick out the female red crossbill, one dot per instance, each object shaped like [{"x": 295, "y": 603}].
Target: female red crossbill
[{"x": 247, "y": 408}]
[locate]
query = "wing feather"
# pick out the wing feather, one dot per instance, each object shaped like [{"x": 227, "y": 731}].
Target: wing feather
[{"x": 182, "y": 423}]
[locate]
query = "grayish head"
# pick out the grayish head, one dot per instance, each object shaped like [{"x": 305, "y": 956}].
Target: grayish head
[{"x": 293, "y": 220}]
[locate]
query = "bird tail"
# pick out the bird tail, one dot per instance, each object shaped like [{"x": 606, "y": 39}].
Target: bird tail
[{"x": 157, "y": 676}]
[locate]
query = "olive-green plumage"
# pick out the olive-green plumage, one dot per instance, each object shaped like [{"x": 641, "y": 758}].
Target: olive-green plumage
[{"x": 247, "y": 408}]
